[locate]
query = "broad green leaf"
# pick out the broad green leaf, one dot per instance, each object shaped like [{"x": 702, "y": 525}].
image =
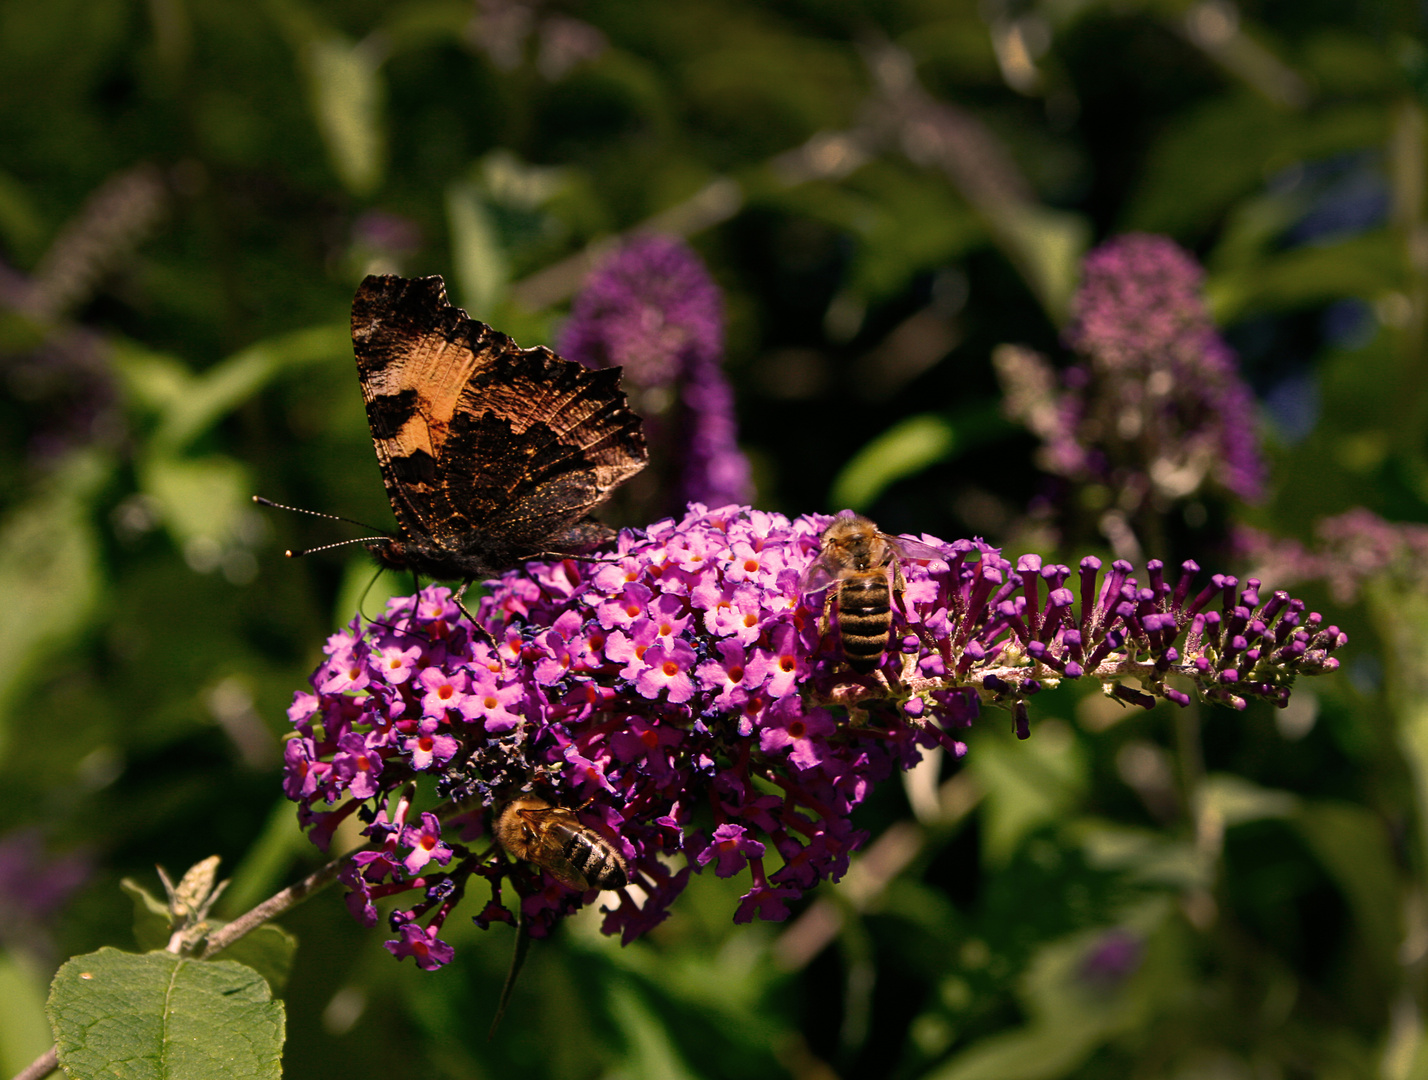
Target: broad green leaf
[
  {"x": 49, "y": 572},
  {"x": 189, "y": 404},
  {"x": 1234, "y": 800},
  {"x": 1046, "y": 246},
  {"x": 905, "y": 449},
  {"x": 651, "y": 1054},
  {"x": 268, "y": 950},
  {"x": 1143, "y": 855},
  {"x": 1027, "y": 783},
  {"x": 1365, "y": 266},
  {"x": 160, "y": 1016},
  {"x": 1071, "y": 1016},
  {"x": 1225, "y": 150},
  {"x": 234, "y": 380},
  {"x": 202, "y": 501},
  {"x": 1353, "y": 845},
  {"x": 1401, "y": 617},
  {"x": 347, "y": 95},
  {"x": 24, "y": 1032},
  {"x": 482, "y": 268},
  {"x": 912, "y": 221},
  {"x": 20, "y": 223}
]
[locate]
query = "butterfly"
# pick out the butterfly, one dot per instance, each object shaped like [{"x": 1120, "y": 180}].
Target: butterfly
[{"x": 491, "y": 454}]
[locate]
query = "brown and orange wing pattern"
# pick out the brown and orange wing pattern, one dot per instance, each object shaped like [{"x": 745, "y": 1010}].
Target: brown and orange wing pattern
[{"x": 476, "y": 435}]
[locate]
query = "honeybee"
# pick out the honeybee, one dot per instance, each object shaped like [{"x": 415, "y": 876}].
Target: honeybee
[
  {"x": 856, "y": 557},
  {"x": 555, "y": 839}
]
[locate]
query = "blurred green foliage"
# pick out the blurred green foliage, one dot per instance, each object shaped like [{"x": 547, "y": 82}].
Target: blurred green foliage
[{"x": 191, "y": 189}]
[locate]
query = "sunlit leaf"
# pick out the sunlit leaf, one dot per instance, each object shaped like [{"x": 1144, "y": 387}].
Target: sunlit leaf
[
  {"x": 482, "y": 268},
  {"x": 1027, "y": 784},
  {"x": 157, "y": 1015},
  {"x": 347, "y": 91},
  {"x": 903, "y": 450},
  {"x": 1046, "y": 245}
]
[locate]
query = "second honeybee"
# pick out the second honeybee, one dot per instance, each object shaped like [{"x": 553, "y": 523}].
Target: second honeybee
[
  {"x": 856, "y": 558},
  {"x": 555, "y": 839}
]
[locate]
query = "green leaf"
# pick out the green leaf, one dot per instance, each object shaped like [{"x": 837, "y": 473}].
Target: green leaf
[
  {"x": 21, "y": 225},
  {"x": 189, "y": 405},
  {"x": 1364, "y": 266},
  {"x": 161, "y": 1016},
  {"x": 152, "y": 927},
  {"x": 1070, "y": 1017},
  {"x": 268, "y": 950},
  {"x": 908, "y": 447},
  {"x": 1143, "y": 855},
  {"x": 482, "y": 269},
  {"x": 1234, "y": 800},
  {"x": 202, "y": 501},
  {"x": 24, "y": 1033},
  {"x": 1046, "y": 246},
  {"x": 1027, "y": 783},
  {"x": 1225, "y": 149},
  {"x": 904, "y": 450},
  {"x": 1353, "y": 845},
  {"x": 237, "y": 378},
  {"x": 49, "y": 572},
  {"x": 652, "y": 1055},
  {"x": 346, "y": 91}
]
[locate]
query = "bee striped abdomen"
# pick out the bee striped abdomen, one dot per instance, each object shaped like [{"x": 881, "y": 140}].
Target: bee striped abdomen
[
  {"x": 596, "y": 860},
  {"x": 864, "y": 618}
]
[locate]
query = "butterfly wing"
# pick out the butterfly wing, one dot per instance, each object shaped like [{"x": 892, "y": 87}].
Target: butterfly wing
[
  {"x": 481, "y": 442},
  {"x": 554, "y": 440},
  {"x": 415, "y": 354}
]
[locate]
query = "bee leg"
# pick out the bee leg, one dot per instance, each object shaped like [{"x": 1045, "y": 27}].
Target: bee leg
[
  {"x": 824, "y": 619},
  {"x": 899, "y": 582}
]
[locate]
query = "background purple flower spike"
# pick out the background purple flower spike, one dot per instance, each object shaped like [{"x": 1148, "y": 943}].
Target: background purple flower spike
[
  {"x": 1154, "y": 407},
  {"x": 652, "y": 309}
]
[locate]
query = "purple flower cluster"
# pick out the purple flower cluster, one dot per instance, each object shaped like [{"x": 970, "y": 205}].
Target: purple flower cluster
[
  {"x": 653, "y": 310},
  {"x": 1351, "y": 548},
  {"x": 1155, "y": 406},
  {"x": 679, "y": 693}
]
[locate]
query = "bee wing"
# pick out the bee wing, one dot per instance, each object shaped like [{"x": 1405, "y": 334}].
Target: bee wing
[
  {"x": 907, "y": 548},
  {"x": 817, "y": 576}
]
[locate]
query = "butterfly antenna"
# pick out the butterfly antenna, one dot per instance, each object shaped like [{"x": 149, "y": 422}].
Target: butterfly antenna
[
  {"x": 314, "y": 513},
  {"x": 327, "y": 547},
  {"x": 518, "y": 959}
]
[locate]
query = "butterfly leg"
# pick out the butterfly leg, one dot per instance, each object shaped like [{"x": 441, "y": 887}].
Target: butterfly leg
[{"x": 478, "y": 627}]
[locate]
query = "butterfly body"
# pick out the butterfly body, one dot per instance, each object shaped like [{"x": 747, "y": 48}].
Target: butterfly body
[{"x": 490, "y": 453}]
